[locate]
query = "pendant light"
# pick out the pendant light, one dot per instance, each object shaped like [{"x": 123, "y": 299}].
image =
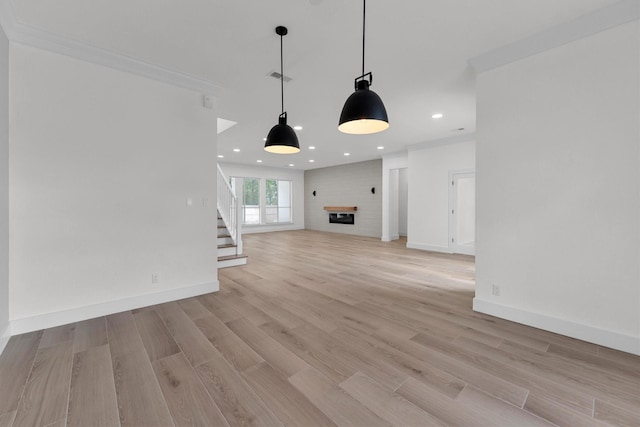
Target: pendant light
[
  {"x": 282, "y": 139},
  {"x": 364, "y": 112}
]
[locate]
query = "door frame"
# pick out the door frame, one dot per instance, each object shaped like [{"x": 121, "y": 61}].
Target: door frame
[{"x": 452, "y": 214}]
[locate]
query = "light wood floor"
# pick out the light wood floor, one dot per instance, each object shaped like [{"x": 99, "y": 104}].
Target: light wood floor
[{"x": 318, "y": 329}]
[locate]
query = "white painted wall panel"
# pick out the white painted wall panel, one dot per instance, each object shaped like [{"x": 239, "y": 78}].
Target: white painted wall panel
[
  {"x": 102, "y": 163},
  {"x": 345, "y": 185},
  {"x": 4, "y": 185},
  {"x": 558, "y": 189}
]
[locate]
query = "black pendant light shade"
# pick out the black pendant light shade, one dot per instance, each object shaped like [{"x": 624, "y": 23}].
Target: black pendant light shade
[
  {"x": 364, "y": 112},
  {"x": 281, "y": 138}
]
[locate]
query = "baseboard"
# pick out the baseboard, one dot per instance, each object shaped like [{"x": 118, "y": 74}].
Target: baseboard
[
  {"x": 423, "y": 247},
  {"x": 4, "y": 338},
  {"x": 465, "y": 251},
  {"x": 49, "y": 320},
  {"x": 606, "y": 338}
]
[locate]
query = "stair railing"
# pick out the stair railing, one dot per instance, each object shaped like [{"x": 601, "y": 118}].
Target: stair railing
[{"x": 230, "y": 209}]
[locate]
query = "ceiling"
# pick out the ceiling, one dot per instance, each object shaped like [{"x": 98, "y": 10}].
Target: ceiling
[{"x": 417, "y": 51}]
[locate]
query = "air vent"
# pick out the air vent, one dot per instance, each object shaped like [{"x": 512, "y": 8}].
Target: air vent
[{"x": 276, "y": 75}]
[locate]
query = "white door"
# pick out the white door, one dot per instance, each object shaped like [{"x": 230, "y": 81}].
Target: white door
[{"x": 462, "y": 212}]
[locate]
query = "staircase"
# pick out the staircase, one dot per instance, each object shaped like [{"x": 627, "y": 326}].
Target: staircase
[
  {"x": 228, "y": 255},
  {"x": 229, "y": 229}
]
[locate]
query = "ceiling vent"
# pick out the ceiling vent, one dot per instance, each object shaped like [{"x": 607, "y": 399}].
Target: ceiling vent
[{"x": 276, "y": 75}]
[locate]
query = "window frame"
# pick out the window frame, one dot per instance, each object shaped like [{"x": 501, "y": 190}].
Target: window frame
[
  {"x": 278, "y": 207},
  {"x": 238, "y": 182}
]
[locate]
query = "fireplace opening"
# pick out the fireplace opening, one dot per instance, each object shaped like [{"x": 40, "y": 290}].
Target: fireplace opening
[{"x": 342, "y": 218}]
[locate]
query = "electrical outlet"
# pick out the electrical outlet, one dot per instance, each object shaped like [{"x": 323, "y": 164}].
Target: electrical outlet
[
  {"x": 205, "y": 202},
  {"x": 495, "y": 290},
  {"x": 207, "y": 101},
  {"x": 155, "y": 278},
  {"x": 189, "y": 201}
]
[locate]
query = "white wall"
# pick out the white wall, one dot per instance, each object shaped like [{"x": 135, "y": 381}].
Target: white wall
[
  {"x": 558, "y": 189},
  {"x": 101, "y": 165},
  {"x": 429, "y": 167},
  {"x": 4, "y": 189},
  {"x": 345, "y": 185},
  {"x": 297, "y": 182}
]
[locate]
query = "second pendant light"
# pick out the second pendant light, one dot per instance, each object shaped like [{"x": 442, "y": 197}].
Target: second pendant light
[{"x": 363, "y": 112}]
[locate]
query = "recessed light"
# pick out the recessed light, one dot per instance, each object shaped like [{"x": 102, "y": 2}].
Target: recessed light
[
  {"x": 381, "y": 148},
  {"x": 264, "y": 139},
  {"x": 220, "y": 156},
  {"x": 347, "y": 154},
  {"x": 297, "y": 128},
  {"x": 290, "y": 165},
  {"x": 258, "y": 161},
  {"x": 237, "y": 150},
  {"x": 312, "y": 147},
  {"x": 437, "y": 116},
  {"x": 311, "y": 161}
]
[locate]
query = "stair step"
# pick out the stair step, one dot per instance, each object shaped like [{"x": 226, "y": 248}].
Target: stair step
[
  {"x": 225, "y": 258},
  {"x": 226, "y": 250},
  {"x": 225, "y": 240},
  {"x": 231, "y": 261},
  {"x": 223, "y": 236}
]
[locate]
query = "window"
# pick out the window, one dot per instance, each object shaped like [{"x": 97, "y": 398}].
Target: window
[
  {"x": 263, "y": 201},
  {"x": 251, "y": 204},
  {"x": 278, "y": 201},
  {"x": 250, "y": 196}
]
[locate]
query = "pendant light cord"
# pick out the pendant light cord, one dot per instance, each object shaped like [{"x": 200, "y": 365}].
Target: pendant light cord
[
  {"x": 281, "y": 75},
  {"x": 364, "y": 11}
]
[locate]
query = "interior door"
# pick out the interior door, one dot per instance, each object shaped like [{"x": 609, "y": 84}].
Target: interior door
[{"x": 462, "y": 212}]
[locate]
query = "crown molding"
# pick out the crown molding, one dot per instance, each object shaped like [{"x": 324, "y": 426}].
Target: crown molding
[
  {"x": 7, "y": 18},
  {"x": 467, "y": 137},
  {"x": 18, "y": 32},
  {"x": 400, "y": 154},
  {"x": 617, "y": 14}
]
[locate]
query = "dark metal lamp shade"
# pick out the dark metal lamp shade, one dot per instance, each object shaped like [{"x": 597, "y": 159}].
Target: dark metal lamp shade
[
  {"x": 282, "y": 139},
  {"x": 364, "y": 112}
]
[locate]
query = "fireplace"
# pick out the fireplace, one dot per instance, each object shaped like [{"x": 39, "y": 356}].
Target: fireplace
[{"x": 342, "y": 218}]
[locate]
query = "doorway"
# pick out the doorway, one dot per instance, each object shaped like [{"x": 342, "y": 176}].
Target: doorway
[
  {"x": 398, "y": 203},
  {"x": 462, "y": 212},
  {"x": 403, "y": 201}
]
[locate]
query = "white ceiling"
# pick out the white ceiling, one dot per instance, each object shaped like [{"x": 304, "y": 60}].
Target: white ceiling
[{"x": 417, "y": 51}]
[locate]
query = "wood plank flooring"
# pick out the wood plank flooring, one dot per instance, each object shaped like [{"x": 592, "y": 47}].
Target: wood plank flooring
[{"x": 318, "y": 329}]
